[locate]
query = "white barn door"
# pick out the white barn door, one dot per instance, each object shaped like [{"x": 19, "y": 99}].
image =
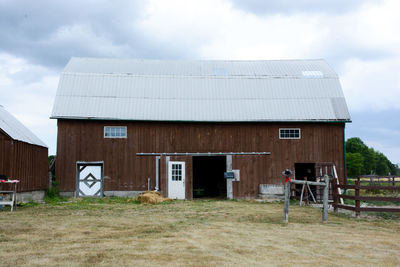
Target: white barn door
[
  {"x": 89, "y": 179},
  {"x": 176, "y": 179}
]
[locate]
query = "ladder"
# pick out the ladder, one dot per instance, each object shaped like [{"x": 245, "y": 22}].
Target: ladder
[{"x": 328, "y": 168}]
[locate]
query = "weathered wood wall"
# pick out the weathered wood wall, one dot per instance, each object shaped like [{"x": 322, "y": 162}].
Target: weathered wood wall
[
  {"x": 25, "y": 162},
  {"x": 82, "y": 140}
]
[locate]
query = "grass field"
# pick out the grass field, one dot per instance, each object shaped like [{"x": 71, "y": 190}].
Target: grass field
[{"x": 191, "y": 233}]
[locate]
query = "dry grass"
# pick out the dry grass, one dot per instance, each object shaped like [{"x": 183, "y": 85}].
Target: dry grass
[{"x": 192, "y": 233}]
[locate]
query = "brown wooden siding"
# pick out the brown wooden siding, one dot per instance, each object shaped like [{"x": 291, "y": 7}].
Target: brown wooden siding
[
  {"x": 80, "y": 140},
  {"x": 25, "y": 162}
]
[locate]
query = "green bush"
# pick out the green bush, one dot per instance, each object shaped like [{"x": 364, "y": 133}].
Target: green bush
[{"x": 52, "y": 194}]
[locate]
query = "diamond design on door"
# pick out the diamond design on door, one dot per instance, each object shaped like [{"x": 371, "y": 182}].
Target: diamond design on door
[{"x": 90, "y": 180}]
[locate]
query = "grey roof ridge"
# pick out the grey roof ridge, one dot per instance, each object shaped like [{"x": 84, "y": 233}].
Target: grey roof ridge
[
  {"x": 197, "y": 98},
  {"x": 202, "y": 60},
  {"x": 232, "y": 76},
  {"x": 205, "y": 121}
]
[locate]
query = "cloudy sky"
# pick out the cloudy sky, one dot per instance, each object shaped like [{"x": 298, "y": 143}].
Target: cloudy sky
[{"x": 360, "y": 39}]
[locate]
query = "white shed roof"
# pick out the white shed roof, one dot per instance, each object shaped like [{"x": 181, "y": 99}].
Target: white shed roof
[
  {"x": 213, "y": 90},
  {"x": 16, "y": 130}
]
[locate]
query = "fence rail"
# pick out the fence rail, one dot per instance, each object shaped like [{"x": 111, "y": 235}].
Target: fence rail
[
  {"x": 391, "y": 179},
  {"x": 357, "y": 198}
]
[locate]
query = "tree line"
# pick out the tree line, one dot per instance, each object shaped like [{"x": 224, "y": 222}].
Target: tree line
[{"x": 361, "y": 159}]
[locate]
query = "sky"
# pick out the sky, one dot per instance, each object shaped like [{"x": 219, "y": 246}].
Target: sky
[{"x": 360, "y": 39}]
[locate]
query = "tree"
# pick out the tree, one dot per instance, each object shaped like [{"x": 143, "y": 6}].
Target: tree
[
  {"x": 369, "y": 166},
  {"x": 354, "y": 164},
  {"x": 355, "y": 145},
  {"x": 374, "y": 162},
  {"x": 393, "y": 168},
  {"x": 381, "y": 164}
]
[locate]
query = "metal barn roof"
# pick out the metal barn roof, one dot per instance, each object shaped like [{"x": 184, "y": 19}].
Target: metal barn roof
[
  {"x": 16, "y": 130},
  {"x": 213, "y": 90}
]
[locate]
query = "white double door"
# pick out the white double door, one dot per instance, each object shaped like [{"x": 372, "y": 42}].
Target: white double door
[{"x": 176, "y": 179}]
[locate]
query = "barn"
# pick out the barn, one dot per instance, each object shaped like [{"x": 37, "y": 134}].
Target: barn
[
  {"x": 23, "y": 157},
  {"x": 207, "y": 128}
]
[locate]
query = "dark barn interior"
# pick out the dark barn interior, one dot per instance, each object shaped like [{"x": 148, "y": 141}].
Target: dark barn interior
[
  {"x": 208, "y": 176},
  {"x": 302, "y": 171}
]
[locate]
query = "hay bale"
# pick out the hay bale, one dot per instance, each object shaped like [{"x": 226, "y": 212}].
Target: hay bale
[{"x": 151, "y": 197}]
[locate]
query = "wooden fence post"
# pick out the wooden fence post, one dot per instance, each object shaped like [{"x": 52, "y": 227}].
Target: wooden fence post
[
  {"x": 357, "y": 196},
  {"x": 306, "y": 192},
  {"x": 326, "y": 198},
  {"x": 286, "y": 205},
  {"x": 335, "y": 195}
]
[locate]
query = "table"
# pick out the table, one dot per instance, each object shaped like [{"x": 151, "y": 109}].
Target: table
[{"x": 13, "y": 193}]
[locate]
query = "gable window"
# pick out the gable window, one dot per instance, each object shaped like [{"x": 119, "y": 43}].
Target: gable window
[
  {"x": 289, "y": 133},
  {"x": 115, "y": 132}
]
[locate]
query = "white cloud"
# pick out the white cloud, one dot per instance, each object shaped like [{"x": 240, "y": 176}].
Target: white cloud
[
  {"x": 372, "y": 84},
  {"x": 213, "y": 29},
  {"x": 186, "y": 25},
  {"x": 271, "y": 37},
  {"x": 83, "y": 35},
  {"x": 29, "y": 101},
  {"x": 377, "y": 26},
  {"x": 387, "y": 132}
]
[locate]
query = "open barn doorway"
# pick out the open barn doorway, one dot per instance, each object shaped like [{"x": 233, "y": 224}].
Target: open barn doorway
[
  {"x": 305, "y": 171},
  {"x": 208, "y": 176}
]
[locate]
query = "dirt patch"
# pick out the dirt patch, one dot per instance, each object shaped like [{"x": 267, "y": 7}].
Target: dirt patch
[{"x": 152, "y": 197}]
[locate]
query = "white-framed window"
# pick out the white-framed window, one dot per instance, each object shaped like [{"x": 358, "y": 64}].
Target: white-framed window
[
  {"x": 289, "y": 133},
  {"x": 115, "y": 132},
  {"x": 176, "y": 172}
]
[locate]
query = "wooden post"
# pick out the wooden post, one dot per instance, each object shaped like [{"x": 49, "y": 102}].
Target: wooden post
[
  {"x": 292, "y": 190},
  {"x": 229, "y": 182},
  {"x": 306, "y": 191},
  {"x": 326, "y": 195},
  {"x": 394, "y": 182},
  {"x": 301, "y": 195},
  {"x": 157, "y": 188},
  {"x": 286, "y": 205},
  {"x": 357, "y": 197},
  {"x": 335, "y": 193},
  {"x": 50, "y": 180}
]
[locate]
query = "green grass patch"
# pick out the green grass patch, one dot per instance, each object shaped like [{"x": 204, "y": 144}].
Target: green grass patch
[{"x": 29, "y": 204}]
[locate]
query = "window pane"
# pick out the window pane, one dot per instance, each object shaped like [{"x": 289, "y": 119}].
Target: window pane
[
  {"x": 293, "y": 133},
  {"x": 117, "y": 132}
]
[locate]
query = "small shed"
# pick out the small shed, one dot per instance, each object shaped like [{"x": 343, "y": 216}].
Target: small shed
[
  {"x": 128, "y": 125},
  {"x": 23, "y": 156}
]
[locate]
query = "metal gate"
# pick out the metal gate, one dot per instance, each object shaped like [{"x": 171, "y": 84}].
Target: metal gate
[{"x": 89, "y": 179}]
